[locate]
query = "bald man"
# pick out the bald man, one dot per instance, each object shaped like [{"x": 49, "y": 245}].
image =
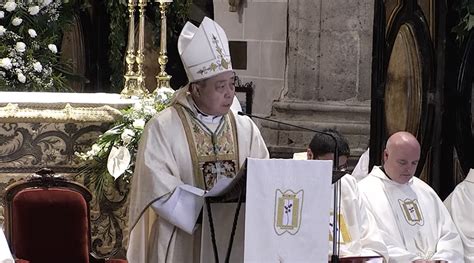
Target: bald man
[{"x": 415, "y": 225}]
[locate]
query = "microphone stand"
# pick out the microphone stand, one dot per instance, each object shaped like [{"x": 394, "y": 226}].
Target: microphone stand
[{"x": 337, "y": 184}]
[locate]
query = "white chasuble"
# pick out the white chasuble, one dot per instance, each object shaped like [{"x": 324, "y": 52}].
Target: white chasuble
[
  {"x": 214, "y": 153},
  {"x": 460, "y": 204},
  {"x": 164, "y": 162},
  {"x": 286, "y": 210},
  {"x": 412, "y": 219},
  {"x": 5, "y": 255},
  {"x": 359, "y": 235}
]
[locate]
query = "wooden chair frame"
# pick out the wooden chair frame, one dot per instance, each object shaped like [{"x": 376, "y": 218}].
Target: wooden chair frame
[{"x": 44, "y": 178}]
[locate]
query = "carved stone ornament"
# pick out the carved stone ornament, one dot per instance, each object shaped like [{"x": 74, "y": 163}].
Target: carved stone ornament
[
  {"x": 234, "y": 5},
  {"x": 14, "y": 113},
  {"x": 44, "y": 130}
]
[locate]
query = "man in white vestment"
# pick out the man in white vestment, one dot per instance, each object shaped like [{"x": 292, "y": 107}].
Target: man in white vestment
[
  {"x": 185, "y": 149},
  {"x": 415, "y": 224},
  {"x": 361, "y": 170},
  {"x": 5, "y": 255},
  {"x": 359, "y": 234},
  {"x": 460, "y": 204}
]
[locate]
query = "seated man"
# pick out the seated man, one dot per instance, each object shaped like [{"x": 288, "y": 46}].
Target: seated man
[
  {"x": 359, "y": 237},
  {"x": 460, "y": 204},
  {"x": 5, "y": 255},
  {"x": 361, "y": 170},
  {"x": 414, "y": 223}
]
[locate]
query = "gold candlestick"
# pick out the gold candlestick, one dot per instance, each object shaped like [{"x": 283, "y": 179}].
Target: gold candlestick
[
  {"x": 135, "y": 80},
  {"x": 141, "y": 49},
  {"x": 163, "y": 79},
  {"x": 130, "y": 58}
]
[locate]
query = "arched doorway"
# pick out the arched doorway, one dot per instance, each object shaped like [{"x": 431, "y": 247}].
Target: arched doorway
[{"x": 406, "y": 89}]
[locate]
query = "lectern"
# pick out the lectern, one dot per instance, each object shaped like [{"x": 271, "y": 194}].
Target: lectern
[{"x": 274, "y": 210}]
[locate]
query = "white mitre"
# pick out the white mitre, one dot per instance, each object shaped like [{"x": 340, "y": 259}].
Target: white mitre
[{"x": 204, "y": 51}]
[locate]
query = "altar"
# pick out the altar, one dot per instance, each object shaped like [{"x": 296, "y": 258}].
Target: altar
[{"x": 41, "y": 129}]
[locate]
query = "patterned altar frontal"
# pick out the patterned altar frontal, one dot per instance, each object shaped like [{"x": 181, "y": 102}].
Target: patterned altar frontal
[{"x": 46, "y": 130}]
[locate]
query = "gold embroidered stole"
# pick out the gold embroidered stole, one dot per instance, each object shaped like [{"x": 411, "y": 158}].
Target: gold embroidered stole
[
  {"x": 213, "y": 154},
  {"x": 408, "y": 215},
  {"x": 343, "y": 228}
]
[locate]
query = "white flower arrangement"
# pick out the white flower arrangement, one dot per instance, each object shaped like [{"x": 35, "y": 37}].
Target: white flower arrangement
[
  {"x": 29, "y": 58},
  {"x": 113, "y": 154}
]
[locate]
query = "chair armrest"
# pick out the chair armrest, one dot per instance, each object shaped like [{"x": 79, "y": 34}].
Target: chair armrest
[{"x": 21, "y": 261}]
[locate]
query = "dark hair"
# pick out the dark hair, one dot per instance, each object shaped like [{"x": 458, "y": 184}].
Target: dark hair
[{"x": 322, "y": 144}]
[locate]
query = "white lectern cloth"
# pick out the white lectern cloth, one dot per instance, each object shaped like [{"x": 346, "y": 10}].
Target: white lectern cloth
[{"x": 286, "y": 210}]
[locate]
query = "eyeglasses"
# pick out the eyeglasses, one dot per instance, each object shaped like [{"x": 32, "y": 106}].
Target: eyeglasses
[{"x": 341, "y": 167}]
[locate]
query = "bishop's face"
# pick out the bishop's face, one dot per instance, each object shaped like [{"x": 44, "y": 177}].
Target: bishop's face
[
  {"x": 400, "y": 162},
  {"x": 215, "y": 95}
]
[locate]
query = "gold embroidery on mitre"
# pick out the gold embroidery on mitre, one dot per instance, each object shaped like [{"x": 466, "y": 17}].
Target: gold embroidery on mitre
[
  {"x": 288, "y": 211},
  {"x": 412, "y": 211},
  {"x": 221, "y": 63}
]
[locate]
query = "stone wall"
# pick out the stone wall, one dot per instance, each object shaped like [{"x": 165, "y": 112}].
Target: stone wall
[
  {"x": 311, "y": 62},
  {"x": 261, "y": 24},
  {"x": 330, "y": 50}
]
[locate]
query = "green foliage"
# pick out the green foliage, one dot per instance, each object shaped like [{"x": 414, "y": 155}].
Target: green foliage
[
  {"x": 118, "y": 21},
  {"x": 465, "y": 9},
  {"x": 177, "y": 15},
  {"x": 113, "y": 155}
]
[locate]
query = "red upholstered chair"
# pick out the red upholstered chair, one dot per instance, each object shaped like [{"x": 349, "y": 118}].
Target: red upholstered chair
[{"x": 47, "y": 220}]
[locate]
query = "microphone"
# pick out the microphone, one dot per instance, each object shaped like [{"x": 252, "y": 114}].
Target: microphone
[
  {"x": 336, "y": 152},
  {"x": 335, "y": 180}
]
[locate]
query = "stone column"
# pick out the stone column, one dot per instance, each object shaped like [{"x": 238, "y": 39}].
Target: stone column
[
  {"x": 310, "y": 61},
  {"x": 260, "y": 28},
  {"x": 330, "y": 49},
  {"x": 328, "y": 74}
]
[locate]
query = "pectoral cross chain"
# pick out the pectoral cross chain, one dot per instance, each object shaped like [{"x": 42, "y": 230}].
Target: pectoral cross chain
[{"x": 218, "y": 169}]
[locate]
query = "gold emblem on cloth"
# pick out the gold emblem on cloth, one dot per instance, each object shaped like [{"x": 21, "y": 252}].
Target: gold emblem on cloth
[
  {"x": 412, "y": 211},
  {"x": 288, "y": 209}
]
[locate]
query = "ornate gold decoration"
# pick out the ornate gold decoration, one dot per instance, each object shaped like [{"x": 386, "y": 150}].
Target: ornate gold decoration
[
  {"x": 135, "y": 80},
  {"x": 220, "y": 64},
  {"x": 234, "y": 5},
  {"x": 162, "y": 79},
  {"x": 14, "y": 113},
  {"x": 412, "y": 211},
  {"x": 30, "y": 145},
  {"x": 109, "y": 218},
  {"x": 404, "y": 84},
  {"x": 288, "y": 211}
]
